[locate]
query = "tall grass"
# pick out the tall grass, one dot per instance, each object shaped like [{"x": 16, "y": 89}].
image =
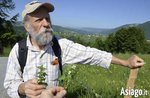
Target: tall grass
[
  {"x": 86, "y": 81},
  {"x": 96, "y": 82}
]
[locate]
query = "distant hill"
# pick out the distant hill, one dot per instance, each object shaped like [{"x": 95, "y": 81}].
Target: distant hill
[
  {"x": 145, "y": 26},
  {"x": 101, "y": 31},
  {"x": 117, "y": 28},
  {"x": 19, "y": 28}
]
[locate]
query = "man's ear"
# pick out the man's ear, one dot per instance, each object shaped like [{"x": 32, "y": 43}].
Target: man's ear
[
  {"x": 26, "y": 23},
  {"x": 27, "y": 26}
]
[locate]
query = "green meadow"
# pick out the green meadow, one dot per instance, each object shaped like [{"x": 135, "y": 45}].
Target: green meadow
[
  {"x": 90, "y": 81},
  {"x": 86, "y": 81}
]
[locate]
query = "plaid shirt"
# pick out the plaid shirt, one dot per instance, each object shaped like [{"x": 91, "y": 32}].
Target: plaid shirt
[{"x": 71, "y": 53}]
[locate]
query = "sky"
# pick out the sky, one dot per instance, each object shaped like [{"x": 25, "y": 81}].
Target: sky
[{"x": 94, "y": 13}]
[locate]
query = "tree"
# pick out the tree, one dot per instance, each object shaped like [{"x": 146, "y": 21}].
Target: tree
[
  {"x": 130, "y": 39},
  {"x": 99, "y": 43},
  {"x": 6, "y": 22},
  {"x": 147, "y": 48},
  {"x": 110, "y": 43}
]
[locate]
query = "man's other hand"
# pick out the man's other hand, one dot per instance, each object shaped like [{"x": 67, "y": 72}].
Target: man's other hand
[
  {"x": 54, "y": 92},
  {"x": 31, "y": 88}
]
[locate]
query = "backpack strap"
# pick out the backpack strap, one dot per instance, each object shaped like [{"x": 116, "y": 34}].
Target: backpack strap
[
  {"x": 57, "y": 50},
  {"x": 22, "y": 53}
]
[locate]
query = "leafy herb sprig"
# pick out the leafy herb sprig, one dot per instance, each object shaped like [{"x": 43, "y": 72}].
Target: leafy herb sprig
[{"x": 41, "y": 75}]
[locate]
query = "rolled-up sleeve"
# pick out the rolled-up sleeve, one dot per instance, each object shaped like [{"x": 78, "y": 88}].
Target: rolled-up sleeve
[
  {"x": 13, "y": 76},
  {"x": 77, "y": 53}
]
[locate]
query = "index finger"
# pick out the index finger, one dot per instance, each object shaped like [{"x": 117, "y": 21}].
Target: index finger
[
  {"x": 58, "y": 89},
  {"x": 139, "y": 64},
  {"x": 37, "y": 87},
  {"x": 139, "y": 59},
  {"x": 33, "y": 81}
]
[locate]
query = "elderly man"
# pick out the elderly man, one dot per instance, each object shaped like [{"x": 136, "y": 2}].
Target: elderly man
[{"x": 37, "y": 22}]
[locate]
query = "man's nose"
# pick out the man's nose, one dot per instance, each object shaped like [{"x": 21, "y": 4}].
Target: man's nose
[{"x": 46, "y": 23}]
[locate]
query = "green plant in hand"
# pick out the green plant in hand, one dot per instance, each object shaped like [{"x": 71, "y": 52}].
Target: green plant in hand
[{"x": 41, "y": 75}]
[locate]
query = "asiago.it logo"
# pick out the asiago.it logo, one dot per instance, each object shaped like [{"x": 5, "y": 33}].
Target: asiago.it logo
[{"x": 133, "y": 92}]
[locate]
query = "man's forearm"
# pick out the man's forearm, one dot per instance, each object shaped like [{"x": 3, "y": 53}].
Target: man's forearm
[
  {"x": 132, "y": 62},
  {"x": 118, "y": 61}
]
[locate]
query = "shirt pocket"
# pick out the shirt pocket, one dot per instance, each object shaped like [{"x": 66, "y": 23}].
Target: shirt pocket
[{"x": 53, "y": 71}]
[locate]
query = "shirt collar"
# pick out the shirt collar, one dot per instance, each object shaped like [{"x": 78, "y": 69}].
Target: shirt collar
[{"x": 31, "y": 47}]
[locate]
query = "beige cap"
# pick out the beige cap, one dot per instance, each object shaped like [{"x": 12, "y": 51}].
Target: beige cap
[{"x": 32, "y": 6}]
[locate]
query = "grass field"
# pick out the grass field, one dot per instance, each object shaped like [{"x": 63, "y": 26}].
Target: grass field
[{"x": 85, "y": 81}]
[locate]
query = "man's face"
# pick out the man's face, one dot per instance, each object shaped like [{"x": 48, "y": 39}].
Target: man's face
[{"x": 39, "y": 26}]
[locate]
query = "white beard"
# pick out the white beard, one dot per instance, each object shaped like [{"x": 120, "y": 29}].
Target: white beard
[{"x": 43, "y": 37}]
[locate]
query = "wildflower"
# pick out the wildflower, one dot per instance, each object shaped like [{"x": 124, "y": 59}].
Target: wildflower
[
  {"x": 69, "y": 72},
  {"x": 97, "y": 95},
  {"x": 73, "y": 66}
]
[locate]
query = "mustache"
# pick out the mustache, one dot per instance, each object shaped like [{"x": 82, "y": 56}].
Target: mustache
[{"x": 47, "y": 30}]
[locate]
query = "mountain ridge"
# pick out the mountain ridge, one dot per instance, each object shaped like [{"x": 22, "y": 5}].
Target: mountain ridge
[{"x": 100, "y": 31}]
